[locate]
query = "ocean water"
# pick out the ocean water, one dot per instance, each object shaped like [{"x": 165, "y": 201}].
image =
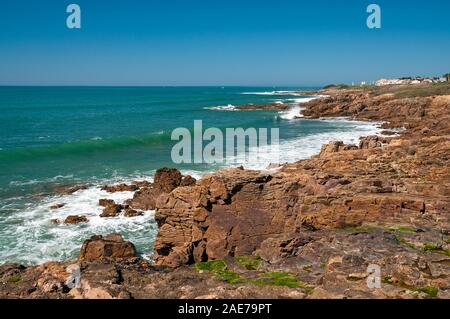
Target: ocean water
[{"x": 62, "y": 136}]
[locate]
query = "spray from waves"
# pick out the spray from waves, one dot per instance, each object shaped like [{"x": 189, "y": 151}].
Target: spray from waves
[
  {"x": 295, "y": 93},
  {"x": 295, "y": 112},
  {"x": 228, "y": 107},
  {"x": 291, "y": 114}
]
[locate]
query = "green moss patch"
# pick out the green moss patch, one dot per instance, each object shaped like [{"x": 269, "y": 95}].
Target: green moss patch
[
  {"x": 429, "y": 290},
  {"x": 436, "y": 248},
  {"x": 219, "y": 269},
  {"x": 249, "y": 263},
  {"x": 15, "y": 279},
  {"x": 404, "y": 229},
  {"x": 214, "y": 265}
]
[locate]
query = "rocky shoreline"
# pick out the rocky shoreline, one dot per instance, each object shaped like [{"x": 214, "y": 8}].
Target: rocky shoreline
[{"x": 308, "y": 230}]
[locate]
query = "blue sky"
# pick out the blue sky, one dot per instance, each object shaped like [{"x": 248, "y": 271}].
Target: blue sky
[{"x": 245, "y": 42}]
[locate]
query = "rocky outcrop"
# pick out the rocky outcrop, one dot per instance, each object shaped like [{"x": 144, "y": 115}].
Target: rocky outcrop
[
  {"x": 271, "y": 106},
  {"x": 165, "y": 181},
  {"x": 372, "y": 142},
  {"x": 311, "y": 229},
  {"x": 111, "y": 247},
  {"x": 383, "y": 182}
]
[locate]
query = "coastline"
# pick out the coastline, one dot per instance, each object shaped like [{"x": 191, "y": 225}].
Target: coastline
[{"x": 360, "y": 197}]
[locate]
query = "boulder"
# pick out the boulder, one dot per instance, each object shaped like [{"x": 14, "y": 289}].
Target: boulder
[
  {"x": 75, "y": 219},
  {"x": 106, "y": 202},
  {"x": 167, "y": 179},
  {"x": 129, "y": 212},
  {"x": 111, "y": 210},
  {"x": 111, "y": 247}
]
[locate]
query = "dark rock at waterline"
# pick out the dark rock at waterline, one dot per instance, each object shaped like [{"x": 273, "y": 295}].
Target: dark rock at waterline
[
  {"x": 68, "y": 190},
  {"x": 129, "y": 212},
  {"x": 112, "y": 210},
  {"x": 120, "y": 188},
  {"x": 105, "y": 202},
  {"x": 57, "y": 206},
  {"x": 75, "y": 219}
]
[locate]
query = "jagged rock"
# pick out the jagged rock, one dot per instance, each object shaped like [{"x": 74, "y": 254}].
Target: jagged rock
[
  {"x": 128, "y": 212},
  {"x": 112, "y": 210},
  {"x": 371, "y": 142},
  {"x": 69, "y": 189},
  {"x": 111, "y": 247},
  {"x": 75, "y": 219},
  {"x": 188, "y": 181},
  {"x": 120, "y": 188},
  {"x": 232, "y": 212},
  {"x": 106, "y": 202},
  {"x": 334, "y": 147},
  {"x": 166, "y": 180}
]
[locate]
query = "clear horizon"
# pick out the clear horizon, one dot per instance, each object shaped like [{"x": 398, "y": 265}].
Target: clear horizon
[{"x": 211, "y": 43}]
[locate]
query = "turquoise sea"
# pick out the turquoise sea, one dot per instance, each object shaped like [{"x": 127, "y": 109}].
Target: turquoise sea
[{"x": 62, "y": 136}]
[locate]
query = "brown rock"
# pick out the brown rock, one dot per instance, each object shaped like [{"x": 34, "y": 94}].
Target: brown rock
[
  {"x": 69, "y": 189},
  {"x": 371, "y": 142},
  {"x": 111, "y": 247},
  {"x": 188, "y": 181},
  {"x": 167, "y": 179},
  {"x": 75, "y": 219},
  {"x": 132, "y": 213},
  {"x": 57, "y": 206},
  {"x": 120, "y": 188},
  {"x": 111, "y": 210},
  {"x": 106, "y": 202}
]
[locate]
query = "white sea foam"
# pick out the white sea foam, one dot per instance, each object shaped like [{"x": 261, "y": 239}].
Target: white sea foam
[
  {"x": 274, "y": 93},
  {"x": 291, "y": 113},
  {"x": 228, "y": 107},
  {"x": 306, "y": 146},
  {"x": 37, "y": 240}
]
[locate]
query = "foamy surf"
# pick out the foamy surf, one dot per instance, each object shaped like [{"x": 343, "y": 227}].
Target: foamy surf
[
  {"x": 37, "y": 240},
  {"x": 228, "y": 107},
  {"x": 274, "y": 93},
  {"x": 291, "y": 114},
  {"x": 306, "y": 146}
]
